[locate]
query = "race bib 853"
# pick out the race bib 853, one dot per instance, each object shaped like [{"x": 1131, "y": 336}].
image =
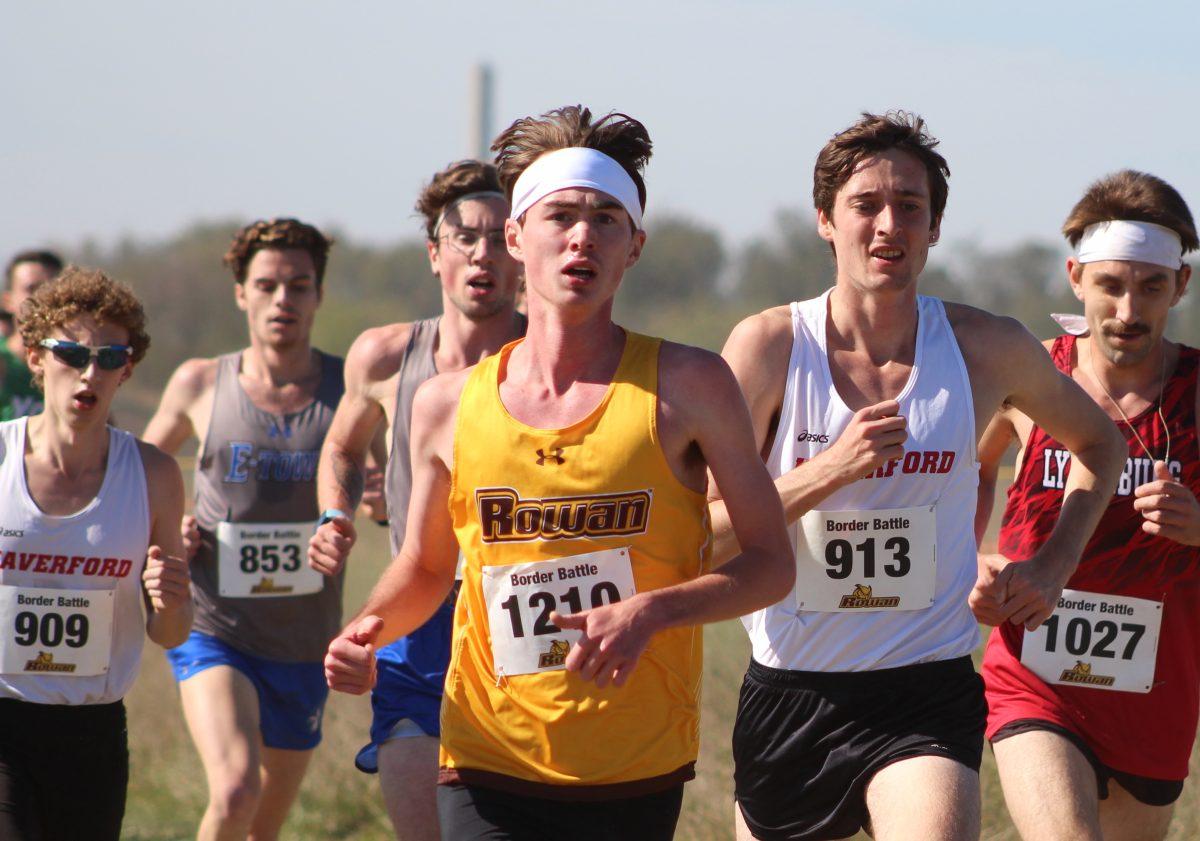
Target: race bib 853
[{"x": 264, "y": 560}]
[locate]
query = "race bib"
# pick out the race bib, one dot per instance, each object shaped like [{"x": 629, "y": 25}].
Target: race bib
[
  {"x": 261, "y": 560},
  {"x": 1098, "y": 641},
  {"x": 520, "y": 597},
  {"x": 859, "y": 561},
  {"x": 45, "y": 630}
]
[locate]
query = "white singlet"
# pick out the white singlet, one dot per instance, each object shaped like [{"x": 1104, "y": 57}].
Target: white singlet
[
  {"x": 886, "y": 586},
  {"x": 71, "y": 587}
]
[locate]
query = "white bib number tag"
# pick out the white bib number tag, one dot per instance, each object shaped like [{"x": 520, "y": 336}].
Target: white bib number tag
[
  {"x": 520, "y": 597},
  {"x": 51, "y": 631},
  {"x": 1098, "y": 641},
  {"x": 262, "y": 560},
  {"x": 859, "y": 561}
]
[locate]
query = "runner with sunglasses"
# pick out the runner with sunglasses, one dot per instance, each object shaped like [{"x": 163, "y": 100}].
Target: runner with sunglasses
[
  {"x": 89, "y": 537},
  {"x": 250, "y": 674},
  {"x": 464, "y": 210}
]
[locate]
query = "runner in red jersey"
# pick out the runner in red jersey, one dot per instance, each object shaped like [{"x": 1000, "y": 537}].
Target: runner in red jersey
[{"x": 1093, "y": 715}]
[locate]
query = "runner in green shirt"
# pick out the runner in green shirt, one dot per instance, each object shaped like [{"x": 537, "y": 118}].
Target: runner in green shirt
[{"x": 25, "y": 273}]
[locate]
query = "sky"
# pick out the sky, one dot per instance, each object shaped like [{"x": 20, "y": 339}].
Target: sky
[{"x": 132, "y": 118}]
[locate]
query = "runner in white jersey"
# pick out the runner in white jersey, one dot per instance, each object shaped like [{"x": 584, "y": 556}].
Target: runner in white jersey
[
  {"x": 90, "y": 564},
  {"x": 463, "y": 209},
  {"x": 250, "y": 676},
  {"x": 861, "y": 708}
]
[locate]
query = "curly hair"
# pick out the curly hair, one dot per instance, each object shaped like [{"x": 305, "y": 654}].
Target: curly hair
[
  {"x": 1134, "y": 197},
  {"x": 619, "y": 136},
  {"x": 82, "y": 291},
  {"x": 281, "y": 234},
  {"x": 869, "y": 136},
  {"x": 461, "y": 178}
]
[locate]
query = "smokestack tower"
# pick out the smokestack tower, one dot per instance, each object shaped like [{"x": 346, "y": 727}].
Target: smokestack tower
[{"x": 481, "y": 112}]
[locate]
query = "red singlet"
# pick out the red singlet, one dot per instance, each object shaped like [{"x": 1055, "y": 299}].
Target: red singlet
[{"x": 1151, "y": 734}]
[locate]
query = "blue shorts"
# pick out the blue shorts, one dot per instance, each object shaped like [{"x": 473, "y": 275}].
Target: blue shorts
[
  {"x": 407, "y": 699},
  {"x": 291, "y": 696}
]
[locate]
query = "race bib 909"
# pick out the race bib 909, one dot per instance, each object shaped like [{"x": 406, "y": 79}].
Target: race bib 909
[{"x": 55, "y": 631}]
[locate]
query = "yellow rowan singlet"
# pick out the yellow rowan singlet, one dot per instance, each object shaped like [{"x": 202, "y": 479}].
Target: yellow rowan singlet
[{"x": 566, "y": 519}]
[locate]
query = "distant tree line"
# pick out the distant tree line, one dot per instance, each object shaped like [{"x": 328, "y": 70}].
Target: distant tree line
[{"x": 690, "y": 285}]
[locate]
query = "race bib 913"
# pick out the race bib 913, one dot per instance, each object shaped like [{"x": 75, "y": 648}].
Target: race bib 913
[{"x": 862, "y": 561}]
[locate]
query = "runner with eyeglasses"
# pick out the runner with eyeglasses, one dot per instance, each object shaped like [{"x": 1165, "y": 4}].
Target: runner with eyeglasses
[
  {"x": 463, "y": 209},
  {"x": 1092, "y": 717},
  {"x": 250, "y": 674},
  {"x": 91, "y": 563}
]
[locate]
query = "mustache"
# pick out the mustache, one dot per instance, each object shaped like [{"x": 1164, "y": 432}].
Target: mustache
[{"x": 1136, "y": 328}]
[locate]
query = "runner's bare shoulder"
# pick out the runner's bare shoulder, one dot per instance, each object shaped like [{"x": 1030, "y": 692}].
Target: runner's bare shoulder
[
  {"x": 377, "y": 353},
  {"x": 191, "y": 381}
]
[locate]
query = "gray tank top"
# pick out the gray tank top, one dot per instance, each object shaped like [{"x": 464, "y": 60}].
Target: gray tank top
[
  {"x": 416, "y": 367},
  {"x": 258, "y": 467}
]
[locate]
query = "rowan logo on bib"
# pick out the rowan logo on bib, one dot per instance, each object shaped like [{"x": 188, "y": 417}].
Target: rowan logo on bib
[
  {"x": 505, "y": 516},
  {"x": 268, "y": 585},
  {"x": 1081, "y": 673},
  {"x": 44, "y": 662},
  {"x": 862, "y": 597},
  {"x": 556, "y": 656}
]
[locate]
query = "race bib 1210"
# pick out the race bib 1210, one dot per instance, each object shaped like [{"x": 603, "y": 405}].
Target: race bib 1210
[{"x": 520, "y": 598}]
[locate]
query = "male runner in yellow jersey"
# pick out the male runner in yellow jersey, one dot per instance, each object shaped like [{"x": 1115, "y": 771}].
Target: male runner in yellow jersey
[{"x": 574, "y": 462}]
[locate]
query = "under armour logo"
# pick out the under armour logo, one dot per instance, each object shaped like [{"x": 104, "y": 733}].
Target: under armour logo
[
  {"x": 277, "y": 431},
  {"x": 555, "y": 456}
]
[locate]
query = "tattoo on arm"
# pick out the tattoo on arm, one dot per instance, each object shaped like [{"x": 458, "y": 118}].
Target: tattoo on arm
[{"x": 349, "y": 476}]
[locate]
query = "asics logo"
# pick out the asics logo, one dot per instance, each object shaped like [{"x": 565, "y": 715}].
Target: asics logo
[{"x": 815, "y": 437}]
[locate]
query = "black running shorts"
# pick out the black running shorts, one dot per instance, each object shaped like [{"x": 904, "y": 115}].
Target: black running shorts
[
  {"x": 474, "y": 813},
  {"x": 806, "y": 744},
  {"x": 1148, "y": 790},
  {"x": 63, "y": 771}
]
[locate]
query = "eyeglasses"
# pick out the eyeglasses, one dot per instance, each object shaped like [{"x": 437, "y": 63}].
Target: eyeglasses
[
  {"x": 464, "y": 241},
  {"x": 108, "y": 357}
]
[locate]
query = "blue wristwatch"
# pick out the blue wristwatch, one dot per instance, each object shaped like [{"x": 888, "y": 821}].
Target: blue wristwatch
[{"x": 331, "y": 514}]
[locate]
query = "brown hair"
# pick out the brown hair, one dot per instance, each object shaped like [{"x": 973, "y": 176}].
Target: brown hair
[
  {"x": 619, "y": 136},
  {"x": 869, "y": 136},
  {"x": 1135, "y": 197},
  {"x": 279, "y": 234},
  {"x": 47, "y": 259},
  {"x": 459, "y": 179},
  {"x": 80, "y": 291}
]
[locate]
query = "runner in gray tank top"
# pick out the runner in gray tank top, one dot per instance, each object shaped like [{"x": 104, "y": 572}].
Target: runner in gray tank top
[
  {"x": 464, "y": 214},
  {"x": 250, "y": 675}
]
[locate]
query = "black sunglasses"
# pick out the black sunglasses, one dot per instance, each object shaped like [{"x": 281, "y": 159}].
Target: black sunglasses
[{"x": 108, "y": 357}]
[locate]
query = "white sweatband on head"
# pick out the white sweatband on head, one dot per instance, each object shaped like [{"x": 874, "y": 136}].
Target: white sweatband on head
[
  {"x": 1143, "y": 242},
  {"x": 481, "y": 194},
  {"x": 576, "y": 167}
]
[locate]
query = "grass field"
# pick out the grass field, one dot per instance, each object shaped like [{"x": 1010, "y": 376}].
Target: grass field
[{"x": 167, "y": 790}]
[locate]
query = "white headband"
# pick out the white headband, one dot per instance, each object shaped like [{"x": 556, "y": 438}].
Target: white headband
[
  {"x": 1143, "y": 242},
  {"x": 575, "y": 167},
  {"x": 481, "y": 194}
]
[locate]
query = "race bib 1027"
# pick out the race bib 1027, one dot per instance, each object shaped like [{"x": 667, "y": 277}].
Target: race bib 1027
[
  {"x": 859, "y": 561},
  {"x": 520, "y": 598},
  {"x": 265, "y": 560},
  {"x": 1098, "y": 641},
  {"x": 46, "y": 630}
]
